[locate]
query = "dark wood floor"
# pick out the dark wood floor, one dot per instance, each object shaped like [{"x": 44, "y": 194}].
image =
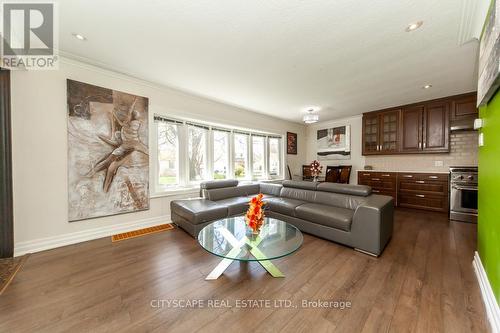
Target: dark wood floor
[{"x": 423, "y": 282}]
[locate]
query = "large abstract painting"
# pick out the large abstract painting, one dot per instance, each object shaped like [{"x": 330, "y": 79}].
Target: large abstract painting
[
  {"x": 334, "y": 143},
  {"x": 108, "y": 156}
]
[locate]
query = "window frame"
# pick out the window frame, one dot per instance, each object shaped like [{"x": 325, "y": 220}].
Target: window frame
[{"x": 185, "y": 185}]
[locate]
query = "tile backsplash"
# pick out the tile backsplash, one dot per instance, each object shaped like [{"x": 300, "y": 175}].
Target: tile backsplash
[{"x": 463, "y": 152}]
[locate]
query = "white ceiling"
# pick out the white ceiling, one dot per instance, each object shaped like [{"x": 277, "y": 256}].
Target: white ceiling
[{"x": 279, "y": 56}]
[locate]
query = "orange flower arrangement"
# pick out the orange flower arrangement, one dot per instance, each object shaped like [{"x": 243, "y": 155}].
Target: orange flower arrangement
[{"x": 255, "y": 214}]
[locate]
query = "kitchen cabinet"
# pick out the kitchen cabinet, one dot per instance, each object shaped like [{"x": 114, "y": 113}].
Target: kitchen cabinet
[
  {"x": 371, "y": 129},
  {"x": 423, "y": 191},
  {"x": 427, "y": 191},
  {"x": 381, "y": 132},
  {"x": 464, "y": 107},
  {"x": 436, "y": 127},
  {"x": 384, "y": 183},
  {"x": 411, "y": 129},
  {"x": 420, "y": 128}
]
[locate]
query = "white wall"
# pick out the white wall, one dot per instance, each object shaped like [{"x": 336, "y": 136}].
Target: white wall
[
  {"x": 39, "y": 132},
  {"x": 357, "y": 160}
]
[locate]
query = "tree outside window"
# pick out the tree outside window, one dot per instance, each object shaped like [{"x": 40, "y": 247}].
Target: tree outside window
[
  {"x": 168, "y": 154},
  {"x": 221, "y": 154},
  {"x": 240, "y": 155},
  {"x": 197, "y": 148}
]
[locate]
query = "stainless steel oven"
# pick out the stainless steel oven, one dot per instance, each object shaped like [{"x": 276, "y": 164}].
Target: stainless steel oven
[{"x": 463, "y": 194}]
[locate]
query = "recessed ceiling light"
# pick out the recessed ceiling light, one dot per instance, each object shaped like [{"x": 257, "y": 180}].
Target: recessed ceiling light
[
  {"x": 427, "y": 86},
  {"x": 79, "y": 37},
  {"x": 414, "y": 26}
]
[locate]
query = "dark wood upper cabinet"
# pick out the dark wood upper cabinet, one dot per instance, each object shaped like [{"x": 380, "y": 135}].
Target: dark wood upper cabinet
[
  {"x": 371, "y": 134},
  {"x": 464, "y": 107},
  {"x": 411, "y": 129},
  {"x": 436, "y": 127},
  {"x": 381, "y": 132},
  {"x": 389, "y": 131},
  {"x": 416, "y": 128}
]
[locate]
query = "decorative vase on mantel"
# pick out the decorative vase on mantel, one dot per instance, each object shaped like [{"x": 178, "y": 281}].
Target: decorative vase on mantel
[{"x": 254, "y": 217}]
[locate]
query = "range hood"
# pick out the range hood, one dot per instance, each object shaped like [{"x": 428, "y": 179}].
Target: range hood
[{"x": 462, "y": 125}]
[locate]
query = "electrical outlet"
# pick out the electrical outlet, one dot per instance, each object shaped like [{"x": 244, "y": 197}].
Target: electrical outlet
[{"x": 438, "y": 163}]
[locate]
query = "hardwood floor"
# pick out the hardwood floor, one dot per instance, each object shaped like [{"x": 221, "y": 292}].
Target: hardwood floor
[{"x": 423, "y": 282}]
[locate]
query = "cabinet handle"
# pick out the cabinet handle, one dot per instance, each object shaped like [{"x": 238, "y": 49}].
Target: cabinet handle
[
  {"x": 420, "y": 195},
  {"x": 433, "y": 177},
  {"x": 408, "y": 176},
  {"x": 425, "y": 144},
  {"x": 375, "y": 178},
  {"x": 419, "y": 145},
  {"x": 386, "y": 175},
  {"x": 419, "y": 181},
  {"x": 366, "y": 174}
]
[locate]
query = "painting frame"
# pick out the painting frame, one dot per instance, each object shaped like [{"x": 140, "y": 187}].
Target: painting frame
[
  {"x": 291, "y": 143},
  {"x": 334, "y": 143},
  {"x": 108, "y": 152},
  {"x": 489, "y": 56}
]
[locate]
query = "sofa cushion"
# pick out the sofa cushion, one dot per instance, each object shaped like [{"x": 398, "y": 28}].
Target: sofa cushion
[
  {"x": 198, "y": 210},
  {"x": 298, "y": 194},
  {"x": 235, "y": 206},
  {"x": 211, "y": 184},
  {"x": 339, "y": 200},
  {"x": 359, "y": 190},
  {"x": 231, "y": 192},
  {"x": 334, "y": 217},
  {"x": 271, "y": 189},
  {"x": 300, "y": 184},
  {"x": 284, "y": 206}
]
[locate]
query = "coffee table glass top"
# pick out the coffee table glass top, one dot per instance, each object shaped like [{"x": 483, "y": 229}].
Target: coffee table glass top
[{"x": 231, "y": 239}]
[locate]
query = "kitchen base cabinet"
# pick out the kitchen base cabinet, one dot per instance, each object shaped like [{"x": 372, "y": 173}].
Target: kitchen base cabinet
[{"x": 428, "y": 191}]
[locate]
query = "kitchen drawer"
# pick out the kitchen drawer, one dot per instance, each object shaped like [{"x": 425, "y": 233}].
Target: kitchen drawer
[
  {"x": 423, "y": 201},
  {"x": 437, "y": 187},
  {"x": 385, "y": 192},
  {"x": 424, "y": 176},
  {"x": 370, "y": 174}
]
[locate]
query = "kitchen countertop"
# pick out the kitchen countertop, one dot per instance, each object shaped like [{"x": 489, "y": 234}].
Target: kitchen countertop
[{"x": 377, "y": 170}]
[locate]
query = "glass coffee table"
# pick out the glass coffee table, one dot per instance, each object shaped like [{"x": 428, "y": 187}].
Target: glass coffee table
[{"x": 232, "y": 240}]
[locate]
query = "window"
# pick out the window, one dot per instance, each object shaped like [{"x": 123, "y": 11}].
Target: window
[
  {"x": 197, "y": 152},
  {"x": 188, "y": 153},
  {"x": 168, "y": 154},
  {"x": 258, "y": 153},
  {"x": 221, "y": 154},
  {"x": 240, "y": 155},
  {"x": 274, "y": 157}
]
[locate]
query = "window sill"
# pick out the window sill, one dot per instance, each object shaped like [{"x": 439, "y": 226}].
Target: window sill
[
  {"x": 176, "y": 191},
  {"x": 196, "y": 189}
]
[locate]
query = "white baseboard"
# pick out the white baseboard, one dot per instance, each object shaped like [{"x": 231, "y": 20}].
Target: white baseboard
[
  {"x": 48, "y": 243},
  {"x": 489, "y": 299}
]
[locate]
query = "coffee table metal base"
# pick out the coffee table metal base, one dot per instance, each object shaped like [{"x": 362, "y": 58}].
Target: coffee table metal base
[{"x": 253, "y": 244}]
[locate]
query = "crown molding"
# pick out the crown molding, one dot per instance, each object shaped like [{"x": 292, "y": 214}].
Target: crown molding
[{"x": 472, "y": 20}]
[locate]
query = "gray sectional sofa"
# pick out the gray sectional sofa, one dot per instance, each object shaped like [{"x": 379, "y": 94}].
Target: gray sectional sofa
[{"x": 347, "y": 214}]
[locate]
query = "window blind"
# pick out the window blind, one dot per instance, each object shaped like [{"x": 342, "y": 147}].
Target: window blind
[{"x": 167, "y": 120}]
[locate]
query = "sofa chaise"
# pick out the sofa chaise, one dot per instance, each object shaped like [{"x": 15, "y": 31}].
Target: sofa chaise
[{"x": 346, "y": 214}]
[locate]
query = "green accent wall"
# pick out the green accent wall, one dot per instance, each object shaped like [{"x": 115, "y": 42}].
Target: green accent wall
[{"x": 489, "y": 193}]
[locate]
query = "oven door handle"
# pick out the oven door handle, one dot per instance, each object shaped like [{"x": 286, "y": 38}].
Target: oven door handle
[{"x": 464, "y": 188}]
